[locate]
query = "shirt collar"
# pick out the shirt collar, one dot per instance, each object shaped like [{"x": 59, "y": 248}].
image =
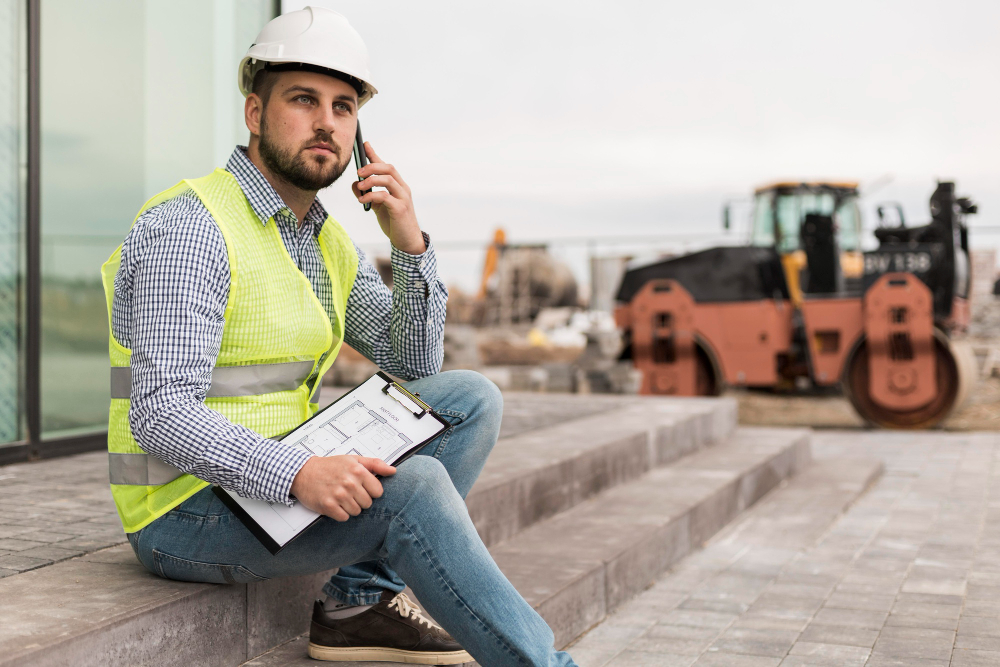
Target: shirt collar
[{"x": 263, "y": 198}]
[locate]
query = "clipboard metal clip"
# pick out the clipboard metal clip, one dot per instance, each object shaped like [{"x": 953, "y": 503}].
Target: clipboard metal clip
[{"x": 409, "y": 401}]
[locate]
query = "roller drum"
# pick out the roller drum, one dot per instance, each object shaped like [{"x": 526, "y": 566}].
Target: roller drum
[
  {"x": 956, "y": 377},
  {"x": 968, "y": 370}
]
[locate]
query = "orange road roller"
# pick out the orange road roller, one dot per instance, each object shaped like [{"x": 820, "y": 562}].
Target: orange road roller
[{"x": 803, "y": 304}]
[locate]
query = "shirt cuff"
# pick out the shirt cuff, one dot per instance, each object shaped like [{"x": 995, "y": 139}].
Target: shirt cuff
[
  {"x": 414, "y": 272},
  {"x": 271, "y": 469}
]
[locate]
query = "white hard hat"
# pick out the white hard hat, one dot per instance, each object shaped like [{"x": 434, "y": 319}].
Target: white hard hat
[{"x": 314, "y": 36}]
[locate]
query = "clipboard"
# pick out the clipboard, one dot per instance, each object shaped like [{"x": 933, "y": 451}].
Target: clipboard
[{"x": 378, "y": 418}]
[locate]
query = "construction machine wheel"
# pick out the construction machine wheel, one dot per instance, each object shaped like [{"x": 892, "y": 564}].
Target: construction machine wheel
[
  {"x": 707, "y": 379},
  {"x": 955, "y": 376}
]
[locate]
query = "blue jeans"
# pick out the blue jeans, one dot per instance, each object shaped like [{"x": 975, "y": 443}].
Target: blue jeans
[{"x": 419, "y": 532}]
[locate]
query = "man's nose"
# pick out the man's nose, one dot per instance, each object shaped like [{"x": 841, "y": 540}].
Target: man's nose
[{"x": 325, "y": 120}]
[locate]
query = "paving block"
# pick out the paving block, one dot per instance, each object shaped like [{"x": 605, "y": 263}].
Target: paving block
[
  {"x": 839, "y": 634},
  {"x": 915, "y": 643},
  {"x": 752, "y": 641},
  {"x": 967, "y": 658},
  {"x": 721, "y": 659},
  {"x": 806, "y": 654}
]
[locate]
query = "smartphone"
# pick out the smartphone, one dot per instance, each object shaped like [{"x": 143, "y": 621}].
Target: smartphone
[{"x": 360, "y": 159}]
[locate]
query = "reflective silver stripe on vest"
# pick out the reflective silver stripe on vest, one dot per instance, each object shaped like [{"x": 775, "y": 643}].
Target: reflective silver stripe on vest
[
  {"x": 140, "y": 469},
  {"x": 232, "y": 380},
  {"x": 146, "y": 469}
]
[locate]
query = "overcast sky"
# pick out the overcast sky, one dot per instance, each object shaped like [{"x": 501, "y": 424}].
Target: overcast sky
[{"x": 559, "y": 119}]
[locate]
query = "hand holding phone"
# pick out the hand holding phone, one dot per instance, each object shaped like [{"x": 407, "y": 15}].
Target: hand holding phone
[
  {"x": 394, "y": 209},
  {"x": 360, "y": 159}
]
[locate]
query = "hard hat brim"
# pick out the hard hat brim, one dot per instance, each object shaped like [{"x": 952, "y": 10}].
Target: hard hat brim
[{"x": 249, "y": 67}]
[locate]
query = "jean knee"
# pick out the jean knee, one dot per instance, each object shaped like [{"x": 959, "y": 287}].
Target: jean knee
[
  {"x": 492, "y": 399},
  {"x": 488, "y": 399},
  {"x": 420, "y": 474},
  {"x": 424, "y": 482}
]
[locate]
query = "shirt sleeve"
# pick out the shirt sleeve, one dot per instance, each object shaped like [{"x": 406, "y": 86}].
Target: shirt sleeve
[
  {"x": 400, "y": 330},
  {"x": 175, "y": 276}
]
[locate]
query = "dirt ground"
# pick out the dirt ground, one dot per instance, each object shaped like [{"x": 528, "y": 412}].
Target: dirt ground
[{"x": 981, "y": 412}]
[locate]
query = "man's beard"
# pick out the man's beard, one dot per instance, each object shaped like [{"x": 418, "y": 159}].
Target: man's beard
[{"x": 293, "y": 168}]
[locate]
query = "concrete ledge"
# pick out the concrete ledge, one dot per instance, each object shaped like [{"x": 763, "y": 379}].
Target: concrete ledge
[
  {"x": 106, "y": 609},
  {"x": 540, "y": 473}
]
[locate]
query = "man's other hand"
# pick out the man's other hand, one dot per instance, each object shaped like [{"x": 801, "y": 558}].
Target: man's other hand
[{"x": 340, "y": 486}]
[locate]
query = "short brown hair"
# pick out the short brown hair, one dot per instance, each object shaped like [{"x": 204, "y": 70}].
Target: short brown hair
[
  {"x": 263, "y": 84},
  {"x": 264, "y": 80}
]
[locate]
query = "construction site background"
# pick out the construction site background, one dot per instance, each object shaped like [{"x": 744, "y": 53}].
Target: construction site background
[{"x": 531, "y": 327}]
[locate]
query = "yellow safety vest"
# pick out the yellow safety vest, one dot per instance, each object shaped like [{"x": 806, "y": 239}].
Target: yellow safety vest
[{"x": 276, "y": 334}]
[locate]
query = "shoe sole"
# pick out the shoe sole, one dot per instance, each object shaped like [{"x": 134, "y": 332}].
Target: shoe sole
[{"x": 379, "y": 654}]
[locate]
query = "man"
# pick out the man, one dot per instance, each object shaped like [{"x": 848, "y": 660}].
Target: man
[{"x": 230, "y": 298}]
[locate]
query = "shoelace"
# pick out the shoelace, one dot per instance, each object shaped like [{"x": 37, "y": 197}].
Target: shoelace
[{"x": 407, "y": 609}]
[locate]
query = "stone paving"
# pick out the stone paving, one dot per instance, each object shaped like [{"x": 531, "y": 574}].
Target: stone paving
[
  {"x": 908, "y": 576},
  {"x": 57, "y": 509}
]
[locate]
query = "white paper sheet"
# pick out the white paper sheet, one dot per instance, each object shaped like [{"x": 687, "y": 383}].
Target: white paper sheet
[{"x": 366, "y": 422}]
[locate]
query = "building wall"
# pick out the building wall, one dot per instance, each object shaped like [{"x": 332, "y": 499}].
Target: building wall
[
  {"x": 134, "y": 95},
  {"x": 12, "y": 169}
]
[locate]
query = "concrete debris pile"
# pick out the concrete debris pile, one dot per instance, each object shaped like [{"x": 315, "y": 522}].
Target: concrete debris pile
[
  {"x": 565, "y": 350},
  {"x": 506, "y": 347},
  {"x": 527, "y": 281},
  {"x": 985, "y": 324},
  {"x": 985, "y": 306},
  {"x": 598, "y": 369}
]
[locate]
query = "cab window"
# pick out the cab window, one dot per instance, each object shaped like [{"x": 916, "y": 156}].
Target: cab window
[
  {"x": 763, "y": 221},
  {"x": 848, "y": 221}
]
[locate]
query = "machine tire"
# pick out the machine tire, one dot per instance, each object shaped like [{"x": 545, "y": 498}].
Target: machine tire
[
  {"x": 950, "y": 376},
  {"x": 708, "y": 381}
]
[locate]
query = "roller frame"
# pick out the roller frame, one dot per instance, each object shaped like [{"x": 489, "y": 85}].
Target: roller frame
[{"x": 899, "y": 327}]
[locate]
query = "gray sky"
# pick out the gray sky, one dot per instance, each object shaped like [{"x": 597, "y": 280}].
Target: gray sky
[{"x": 558, "y": 119}]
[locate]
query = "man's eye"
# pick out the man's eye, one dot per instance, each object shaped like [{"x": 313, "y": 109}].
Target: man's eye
[{"x": 304, "y": 99}]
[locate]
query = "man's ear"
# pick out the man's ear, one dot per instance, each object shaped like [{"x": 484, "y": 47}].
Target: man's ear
[{"x": 253, "y": 109}]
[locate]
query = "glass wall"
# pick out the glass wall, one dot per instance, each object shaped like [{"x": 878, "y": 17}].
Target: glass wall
[
  {"x": 135, "y": 95},
  {"x": 13, "y": 58}
]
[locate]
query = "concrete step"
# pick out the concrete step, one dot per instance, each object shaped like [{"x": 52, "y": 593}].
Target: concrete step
[
  {"x": 541, "y": 472},
  {"x": 580, "y": 565},
  {"x": 104, "y": 608}
]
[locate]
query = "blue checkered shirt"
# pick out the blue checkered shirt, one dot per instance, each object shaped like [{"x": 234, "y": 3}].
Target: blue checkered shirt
[{"x": 170, "y": 295}]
